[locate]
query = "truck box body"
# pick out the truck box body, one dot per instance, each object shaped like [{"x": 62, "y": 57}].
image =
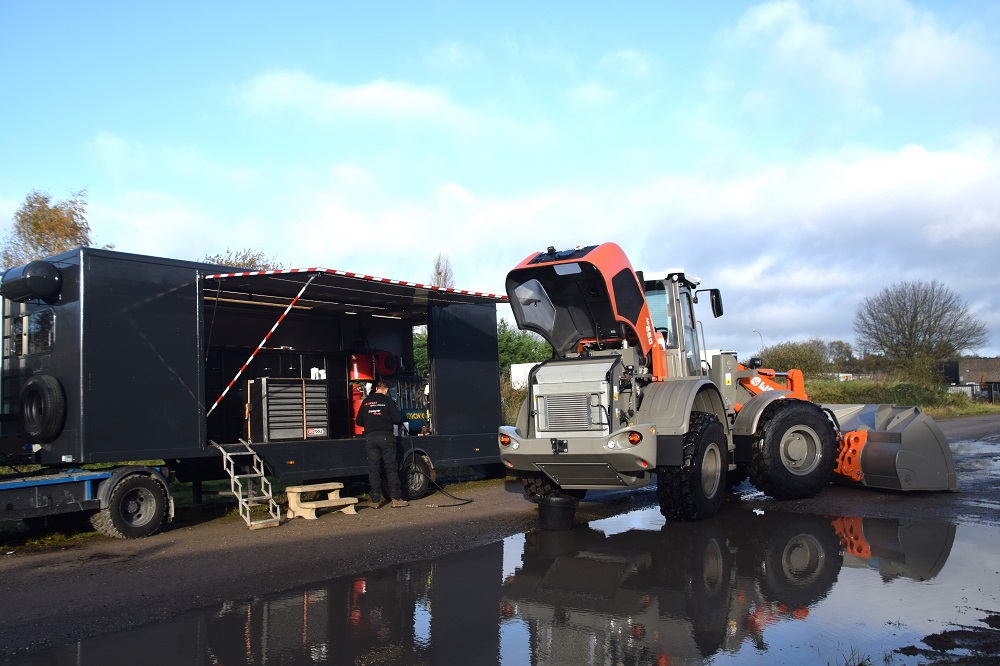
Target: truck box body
[{"x": 142, "y": 349}]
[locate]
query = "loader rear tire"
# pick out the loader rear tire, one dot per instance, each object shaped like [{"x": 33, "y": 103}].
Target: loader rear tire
[
  {"x": 694, "y": 490},
  {"x": 795, "y": 450},
  {"x": 537, "y": 486}
]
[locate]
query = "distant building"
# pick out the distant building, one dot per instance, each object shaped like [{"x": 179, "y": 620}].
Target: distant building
[
  {"x": 978, "y": 371},
  {"x": 976, "y": 377}
]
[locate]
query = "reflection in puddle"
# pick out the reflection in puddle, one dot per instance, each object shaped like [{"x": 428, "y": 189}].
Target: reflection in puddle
[{"x": 742, "y": 587}]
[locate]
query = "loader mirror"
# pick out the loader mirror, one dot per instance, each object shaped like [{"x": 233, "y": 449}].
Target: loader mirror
[{"x": 716, "y": 298}]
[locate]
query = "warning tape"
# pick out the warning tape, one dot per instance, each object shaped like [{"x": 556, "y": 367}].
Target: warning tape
[{"x": 261, "y": 345}]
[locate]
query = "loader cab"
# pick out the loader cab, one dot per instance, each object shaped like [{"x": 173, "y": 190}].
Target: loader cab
[{"x": 670, "y": 296}]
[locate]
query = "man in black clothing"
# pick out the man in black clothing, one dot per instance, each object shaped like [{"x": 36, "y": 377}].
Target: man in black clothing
[{"x": 377, "y": 415}]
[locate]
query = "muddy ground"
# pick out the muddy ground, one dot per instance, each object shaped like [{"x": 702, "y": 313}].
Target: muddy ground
[{"x": 102, "y": 585}]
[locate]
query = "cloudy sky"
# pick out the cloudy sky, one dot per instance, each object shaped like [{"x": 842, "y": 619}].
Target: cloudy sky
[{"x": 798, "y": 155}]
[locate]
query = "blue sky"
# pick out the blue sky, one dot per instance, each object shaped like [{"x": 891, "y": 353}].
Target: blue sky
[{"x": 798, "y": 155}]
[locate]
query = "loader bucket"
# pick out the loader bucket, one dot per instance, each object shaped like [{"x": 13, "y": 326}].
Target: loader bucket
[{"x": 892, "y": 447}]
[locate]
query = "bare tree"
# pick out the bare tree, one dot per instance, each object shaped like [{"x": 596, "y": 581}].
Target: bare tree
[
  {"x": 443, "y": 275},
  {"x": 43, "y": 228},
  {"x": 917, "y": 320},
  {"x": 247, "y": 258}
]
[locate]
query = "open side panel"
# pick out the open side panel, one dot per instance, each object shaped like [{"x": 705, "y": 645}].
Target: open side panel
[
  {"x": 589, "y": 293},
  {"x": 465, "y": 385}
]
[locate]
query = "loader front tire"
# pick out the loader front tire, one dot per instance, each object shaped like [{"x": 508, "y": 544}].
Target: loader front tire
[
  {"x": 694, "y": 490},
  {"x": 795, "y": 450}
]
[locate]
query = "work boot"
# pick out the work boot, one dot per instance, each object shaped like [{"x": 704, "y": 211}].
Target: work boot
[
  {"x": 377, "y": 503},
  {"x": 396, "y": 503}
]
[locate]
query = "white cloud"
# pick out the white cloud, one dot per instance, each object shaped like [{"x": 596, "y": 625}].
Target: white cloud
[
  {"x": 453, "y": 57},
  {"x": 117, "y": 155},
  {"x": 126, "y": 160},
  {"x": 301, "y": 93},
  {"x": 627, "y": 64},
  {"x": 794, "y": 247},
  {"x": 802, "y": 46},
  {"x": 925, "y": 53},
  {"x": 591, "y": 94},
  {"x": 158, "y": 224}
]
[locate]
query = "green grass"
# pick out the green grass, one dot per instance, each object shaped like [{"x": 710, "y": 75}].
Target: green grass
[{"x": 933, "y": 400}]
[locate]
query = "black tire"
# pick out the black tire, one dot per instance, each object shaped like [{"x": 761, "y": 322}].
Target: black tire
[
  {"x": 801, "y": 561},
  {"x": 43, "y": 407},
  {"x": 795, "y": 450},
  {"x": 135, "y": 509},
  {"x": 694, "y": 490},
  {"x": 415, "y": 476},
  {"x": 711, "y": 567},
  {"x": 537, "y": 486}
]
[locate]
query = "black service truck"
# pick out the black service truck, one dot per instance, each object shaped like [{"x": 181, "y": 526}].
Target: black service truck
[{"x": 110, "y": 358}]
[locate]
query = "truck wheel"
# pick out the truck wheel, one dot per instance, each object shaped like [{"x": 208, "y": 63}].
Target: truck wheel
[
  {"x": 135, "y": 509},
  {"x": 43, "y": 407},
  {"x": 795, "y": 452},
  {"x": 537, "y": 486},
  {"x": 416, "y": 476},
  {"x": 694, "y": 490}
]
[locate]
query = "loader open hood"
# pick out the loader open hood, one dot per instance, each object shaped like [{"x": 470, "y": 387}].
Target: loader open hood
[
  {"x": 334, "y": 292},
  {"x": 588, "y": 293}
]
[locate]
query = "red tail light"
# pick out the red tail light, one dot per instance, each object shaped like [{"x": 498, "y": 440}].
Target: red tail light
[
  {"x": 504, "y": 440},
  {"x": 634, "y": 437}
]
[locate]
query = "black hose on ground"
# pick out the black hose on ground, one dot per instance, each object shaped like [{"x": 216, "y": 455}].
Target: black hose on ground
[{"x": 460, "y": 501}]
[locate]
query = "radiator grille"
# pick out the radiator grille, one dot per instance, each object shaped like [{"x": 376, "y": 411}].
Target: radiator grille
[{"x": 568, "y": 412}]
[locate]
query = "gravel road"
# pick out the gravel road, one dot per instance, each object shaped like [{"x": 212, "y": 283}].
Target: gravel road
[{"x": 102, "y": 585}]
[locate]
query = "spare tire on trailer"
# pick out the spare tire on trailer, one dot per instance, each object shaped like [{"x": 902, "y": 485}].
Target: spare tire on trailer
[
  {"x": 43, "y": 407},
  {"x": 136, "y": 508}
]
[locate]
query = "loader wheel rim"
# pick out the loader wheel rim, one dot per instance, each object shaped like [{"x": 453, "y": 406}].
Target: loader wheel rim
[
  {"x": 711, "y": 470},
  {"x": 802, "y": 560},
  {"x": 801, "y": 450}
]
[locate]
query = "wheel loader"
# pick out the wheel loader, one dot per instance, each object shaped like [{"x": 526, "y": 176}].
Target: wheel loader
[{"x": 627, "y": 393}]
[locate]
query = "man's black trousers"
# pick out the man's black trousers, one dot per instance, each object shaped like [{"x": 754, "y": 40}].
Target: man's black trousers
[{"x": 381, "y": 448}]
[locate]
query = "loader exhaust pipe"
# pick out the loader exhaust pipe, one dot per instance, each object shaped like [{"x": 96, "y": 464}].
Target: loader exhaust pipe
[{"x": 892, "y": 447}]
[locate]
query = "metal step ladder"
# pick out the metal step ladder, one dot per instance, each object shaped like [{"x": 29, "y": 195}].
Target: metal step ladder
[{"x": 249, "y": 484}]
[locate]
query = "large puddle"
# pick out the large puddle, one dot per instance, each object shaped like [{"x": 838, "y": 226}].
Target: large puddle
[{"x": 745, "y": 587}]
